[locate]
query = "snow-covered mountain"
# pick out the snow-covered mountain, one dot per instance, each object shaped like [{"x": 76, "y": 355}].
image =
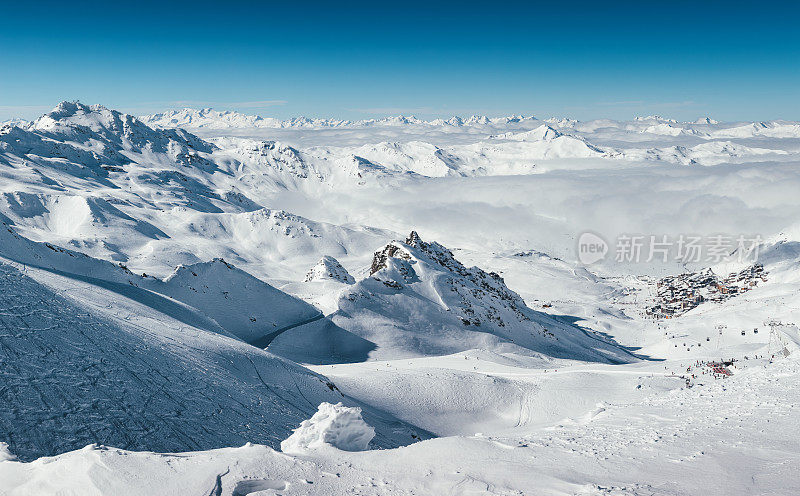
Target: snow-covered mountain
[
  {"x": 776, "y": 129},
  {"x": 208, "y": 118},
  {"x": 709, "y": 153},
  {"x": 106, "y": 184},
  {"x": 213, "y": 119},
  {"x": 99, "y": 140},
  {"x": 418, "y": 300},
  {"x": 547, "y": 143},
  {"x": 147, "y": 263}
]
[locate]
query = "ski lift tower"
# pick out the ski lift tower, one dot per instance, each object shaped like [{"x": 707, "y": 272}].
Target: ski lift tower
[
  {"x": 776, "y": 342},
  {"x": 720, "y": 328}
]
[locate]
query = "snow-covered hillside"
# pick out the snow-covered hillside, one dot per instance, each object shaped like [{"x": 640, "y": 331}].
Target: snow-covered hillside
[
  {"x": 234, "y": 302},
  {"x": 689, "y": 441}
]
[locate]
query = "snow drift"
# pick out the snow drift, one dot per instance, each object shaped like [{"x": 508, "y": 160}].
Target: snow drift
[{"x": 333, "y": 425}]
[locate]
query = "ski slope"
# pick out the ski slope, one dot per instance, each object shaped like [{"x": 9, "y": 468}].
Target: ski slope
[
  {"x": 728, "y": 434},
  {"x": 121, "y": 374}
]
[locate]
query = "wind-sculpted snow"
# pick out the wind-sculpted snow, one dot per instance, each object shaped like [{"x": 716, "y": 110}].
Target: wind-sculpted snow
[{"x": 333, "y": 425}]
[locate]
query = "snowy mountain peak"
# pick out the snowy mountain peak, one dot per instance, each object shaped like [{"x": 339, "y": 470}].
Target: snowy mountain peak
[
  {"x": 541, "y": 133},
  {"x": 477, "y": 119},
  {"x": 413, "y": 239},
  {"x": 561, "y": 121},
  {"x": 77, "y": 138},
  {"x": 381, "y": 258},
  {"x": 328, "y": 268},
  {"x": 439, "y": 258},
  {"x": 401, "y": 120},
  {"x": 656, "y": 118},
  {"x": 87, "y": 123},
  {"x": 15, "y": 122},
  {"x": 207, "y": 118},
  {"x": 706, "y": 120},
  {"x": 75, "y": 115},
  {"x": 66, "y": 109}
]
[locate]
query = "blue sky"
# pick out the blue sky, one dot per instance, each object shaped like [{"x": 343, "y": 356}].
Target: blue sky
[{"x": 731, "y": 60}]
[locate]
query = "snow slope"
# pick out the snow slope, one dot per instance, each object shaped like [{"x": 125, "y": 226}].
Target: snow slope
[
  {"x": 116, "y": 372},
  {"x": 729, "y": 434},
  {"x": 101, "y": 182}
]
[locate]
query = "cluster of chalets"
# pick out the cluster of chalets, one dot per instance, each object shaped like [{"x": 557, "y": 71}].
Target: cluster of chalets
[{"x": 676, "y": 295}]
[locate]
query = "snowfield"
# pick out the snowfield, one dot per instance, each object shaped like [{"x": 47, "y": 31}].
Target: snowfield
[{"x": 206, "y": 302}]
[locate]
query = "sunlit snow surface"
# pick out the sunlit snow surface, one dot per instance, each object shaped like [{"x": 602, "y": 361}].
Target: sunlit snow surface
[{"x": 139, "y": 264}]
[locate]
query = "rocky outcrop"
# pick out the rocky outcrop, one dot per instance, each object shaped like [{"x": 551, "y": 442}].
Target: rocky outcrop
[{"x": 328, "y": 268}]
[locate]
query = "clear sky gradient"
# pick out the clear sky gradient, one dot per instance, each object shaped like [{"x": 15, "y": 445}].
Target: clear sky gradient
[{"x": 730, "y": 60}]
